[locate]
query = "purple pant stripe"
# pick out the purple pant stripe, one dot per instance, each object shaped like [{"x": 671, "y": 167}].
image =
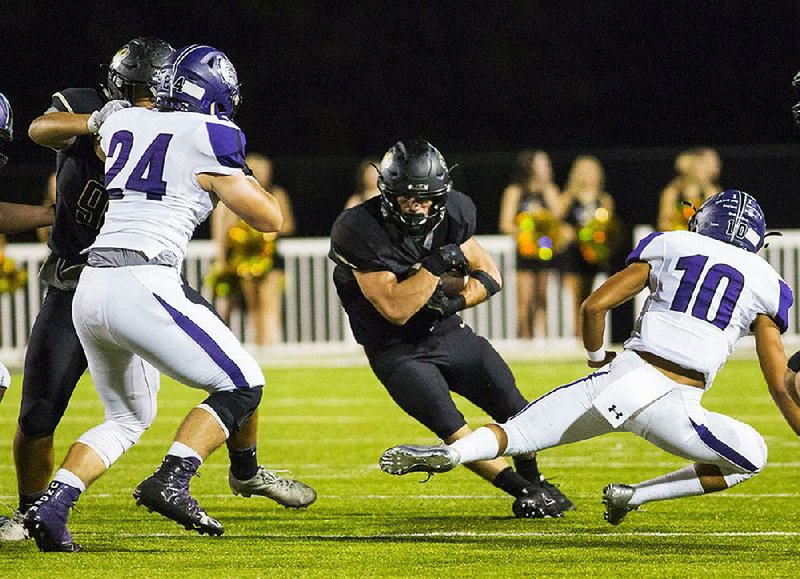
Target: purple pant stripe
[
  {"x": 208, "y": 345},
  {"x": 557, "y": 389},
  {"x": 721, "y": 448}
]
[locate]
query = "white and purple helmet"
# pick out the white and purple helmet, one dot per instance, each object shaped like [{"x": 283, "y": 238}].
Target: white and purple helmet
[
  {"x": 734, "y": 217},
  {"x": 200, "y": 79}
]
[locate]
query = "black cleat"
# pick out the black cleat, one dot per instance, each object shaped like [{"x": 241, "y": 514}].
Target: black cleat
[
  {"x": 46, "y": 520},
  {"x": 166, "y": 492},
  {"x": 561, "y": 499},
  {"x": 536, "y": 503}
]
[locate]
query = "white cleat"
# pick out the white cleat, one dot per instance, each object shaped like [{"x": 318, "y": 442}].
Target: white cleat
[
  {"x": 408, "y": 458},
  {"x": 266, "y": 483},
  {"x": 12, "y": 529},
  {"x": 616, "y": 497}
]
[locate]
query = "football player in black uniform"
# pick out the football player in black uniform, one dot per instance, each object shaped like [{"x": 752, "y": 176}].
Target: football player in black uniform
[
  {"x": 16, "y": 217},
  {"x": 54, "y": 360},
  {"x": 391, "y": 253}
]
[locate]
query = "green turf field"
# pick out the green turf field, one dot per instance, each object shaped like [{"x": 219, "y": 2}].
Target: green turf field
[{"x": 328, "y": 426}]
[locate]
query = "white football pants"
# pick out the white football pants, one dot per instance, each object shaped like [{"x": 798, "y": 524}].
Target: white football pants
[
  {"x": 136, "y": 321},
  {"x": 673, "y": 419}
]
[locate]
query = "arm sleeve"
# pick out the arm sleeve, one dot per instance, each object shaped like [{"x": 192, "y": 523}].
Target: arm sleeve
[
  {"x": 350, "y": 249},
  {"x": 648, "y": 248},
  {"x": 221, "y": 148}
]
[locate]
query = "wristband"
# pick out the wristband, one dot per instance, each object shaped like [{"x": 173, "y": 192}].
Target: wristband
[
  {"x": 487, "y": 281},
  {"x": 596, "y": 356}
]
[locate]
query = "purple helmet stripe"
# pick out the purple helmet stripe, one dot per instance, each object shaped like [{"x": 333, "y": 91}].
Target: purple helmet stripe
[
  {"x": 207, "y": 343},
  {"x": 721, "y": 448}
]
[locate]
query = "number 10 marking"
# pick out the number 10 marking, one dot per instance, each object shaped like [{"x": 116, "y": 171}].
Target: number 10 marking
[{"x": 693, "y": 266}]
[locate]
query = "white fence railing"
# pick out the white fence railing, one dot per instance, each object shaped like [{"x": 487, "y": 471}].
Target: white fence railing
[
  {"x": 314, "y": 320},
  {"x": 313, "y": 317}
]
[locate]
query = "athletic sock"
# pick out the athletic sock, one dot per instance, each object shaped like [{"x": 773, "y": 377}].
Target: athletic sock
[
  {"x": 182, "y": 451},
  {"x": 244, "y": 464},
  {"x": 480, "y": 445},
  {"x": 69, "y": 478},
  {"x": 527, "y": 468},
  {"x": 511, "y": 482},
  {"x": 673, "y": 485}
]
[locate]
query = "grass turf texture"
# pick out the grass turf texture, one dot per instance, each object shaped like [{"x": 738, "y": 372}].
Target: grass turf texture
[{"x": 329, "y": 426}]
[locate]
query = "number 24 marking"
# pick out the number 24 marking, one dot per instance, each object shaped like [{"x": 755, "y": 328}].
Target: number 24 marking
[{"x": 151, "y": 163}]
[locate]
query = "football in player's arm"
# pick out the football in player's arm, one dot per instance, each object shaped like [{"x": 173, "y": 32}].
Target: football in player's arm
[{"x": 392, "y": 253}]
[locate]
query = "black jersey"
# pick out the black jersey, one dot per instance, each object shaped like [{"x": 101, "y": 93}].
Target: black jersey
[
  {"x": 81, "y": 198},
  {"x": 362, "y": 239}
]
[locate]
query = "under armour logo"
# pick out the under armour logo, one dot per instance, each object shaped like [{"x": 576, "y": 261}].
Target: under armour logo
[{"x": 617, "y": 414}]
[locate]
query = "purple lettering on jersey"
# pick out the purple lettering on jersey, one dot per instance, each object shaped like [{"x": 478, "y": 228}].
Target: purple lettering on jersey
[
  {"x": 207, "y": 343},
  {"x": 151, "y": 163},
  {"x": 228, "y": 144},
  {"x": 784, "y": 303},
  {"x": 122, "y": 140},
  {"x": 722, "y": 449},
  {"x": 711, "y": 282},
  {"x": 636, "y": 254},
  {"x": 692, "y": 266}
]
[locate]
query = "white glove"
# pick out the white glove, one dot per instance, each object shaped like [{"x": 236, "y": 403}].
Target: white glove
[
  {"x": 97, "y": 118},
  {"x": 5, "y": 377}
]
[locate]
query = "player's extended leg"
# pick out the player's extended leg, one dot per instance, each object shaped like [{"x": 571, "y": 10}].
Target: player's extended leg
[
  {"x": 478, "y": 372},
  {"x": 562, "y": 416},
  {"x": 247, "y": 478},
  {"x": 54, "y": 361},
  {"x": 725, "y": 452},
  {"x": 127, "y": 386}
]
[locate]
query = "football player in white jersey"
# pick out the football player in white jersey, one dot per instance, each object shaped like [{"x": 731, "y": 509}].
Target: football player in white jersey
[
  {"x": 707, "y": 288},
  {"x": 165, "y": 169}
]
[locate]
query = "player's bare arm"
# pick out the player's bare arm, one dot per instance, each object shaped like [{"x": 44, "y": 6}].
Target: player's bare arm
[
  {"x": 57, "y": 129},
  {"x": 616, "y": 290},
  {"x": 397, "y": 301},
  {"x": 476, "y": 291},
  {"x": 781, "y": 381},
  {"x": 245, "y": 197},
  {"x": 17, "y": 217}
]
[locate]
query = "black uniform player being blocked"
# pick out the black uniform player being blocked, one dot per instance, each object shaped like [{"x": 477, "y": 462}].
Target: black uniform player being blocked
[
  {"x": 55, "y": 360},
  {"x": 391, "y": 254}
]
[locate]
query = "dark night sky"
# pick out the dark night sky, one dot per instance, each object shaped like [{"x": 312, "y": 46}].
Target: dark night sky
[{"x": 347, "y": 79}]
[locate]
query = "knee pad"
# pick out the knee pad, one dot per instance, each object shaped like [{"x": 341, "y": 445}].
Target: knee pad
[
  {"x": 233, "y": 407},
  {"x": 111, "y": 439}
]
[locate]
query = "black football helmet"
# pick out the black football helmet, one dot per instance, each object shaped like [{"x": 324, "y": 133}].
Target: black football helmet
[
  {"x": 136, "y": 63},
  {"x": 6, "y": 124},
  {"x": 414, "y": 169}
]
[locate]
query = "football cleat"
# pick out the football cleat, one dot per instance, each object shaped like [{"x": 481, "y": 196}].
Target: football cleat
[
  {"x": 561, "y": 499},
  {"x": 408, "y": 458},
  {"x": 46, "y": 520},
  {"x": 536, "y": 503},
  {"x": 266, "y": 483},
  {"x": 616, "y": 497},
  {"x": 166, "y": 492},
  {"x": 12, "y": 529}
]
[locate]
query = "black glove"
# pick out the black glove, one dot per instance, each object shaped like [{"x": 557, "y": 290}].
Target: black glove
[
  {"x": 443, "y": 305},
  {"x": 444, "y": 258},
  {"x": 794, "y": 362}
]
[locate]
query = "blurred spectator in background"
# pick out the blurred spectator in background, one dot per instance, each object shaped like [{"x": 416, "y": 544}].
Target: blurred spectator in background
[
  {"x": 249, "y": 266},
  {"x": 48, "y": 201},
  {"x": 366, "y": 183},
  {"x": 697, "y": 179},
  {"x": 531, "y": 211},
  {"x": 593, "y": 234}
]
